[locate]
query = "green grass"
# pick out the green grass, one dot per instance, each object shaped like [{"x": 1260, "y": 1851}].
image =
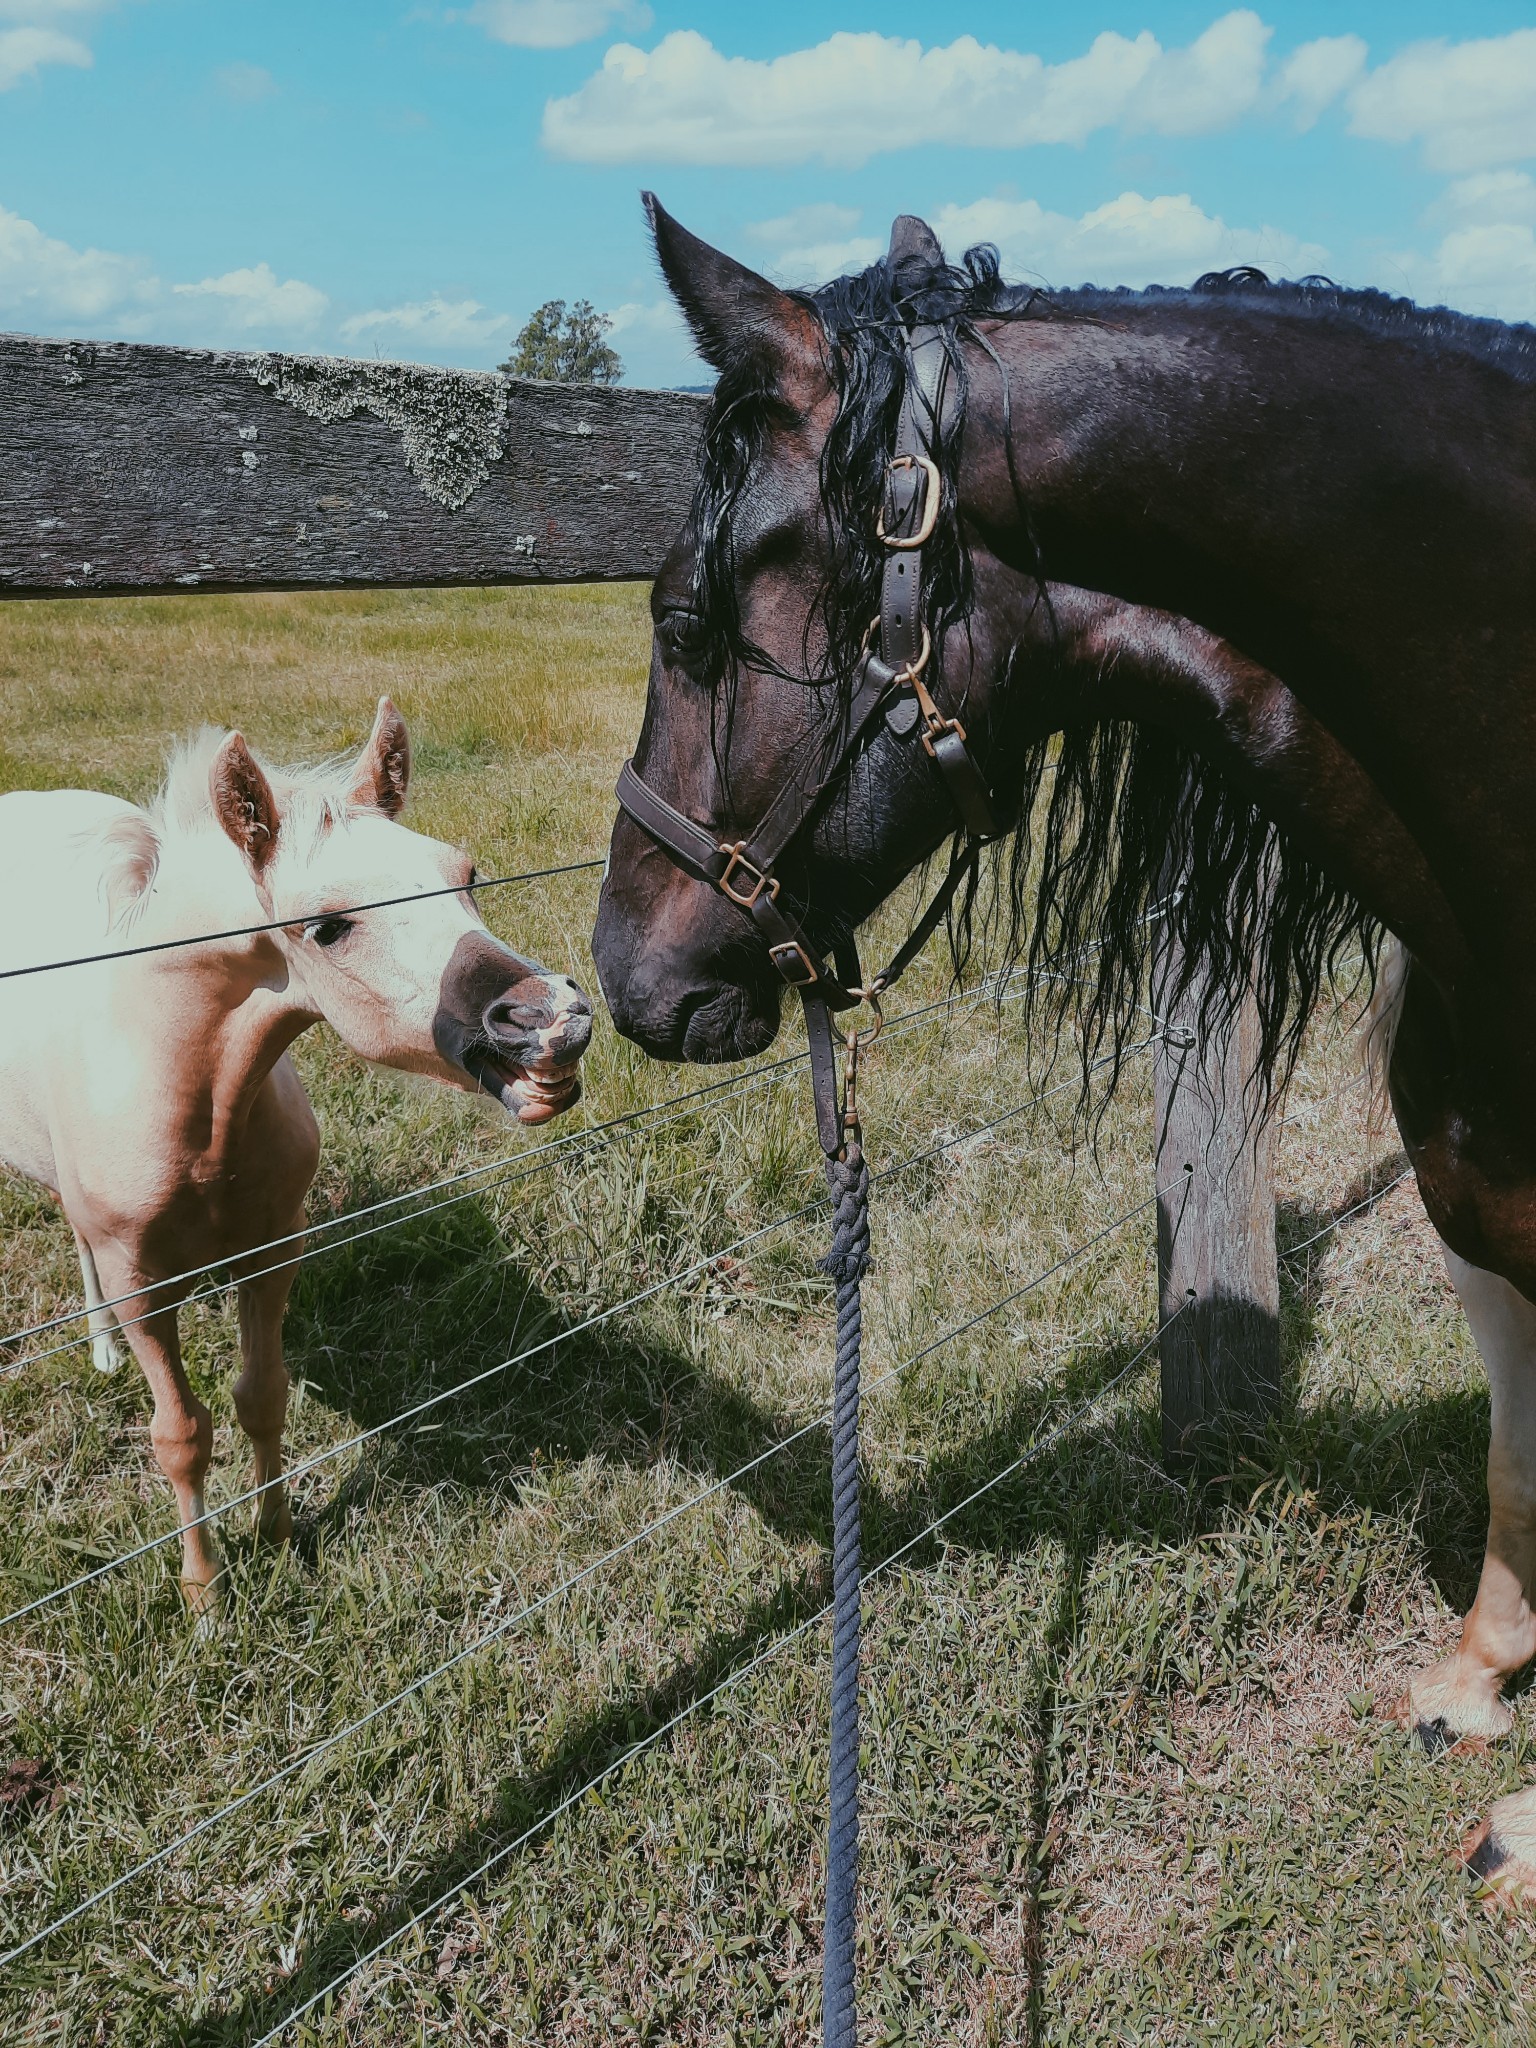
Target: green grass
[{"x": 1128, "y": 1779}]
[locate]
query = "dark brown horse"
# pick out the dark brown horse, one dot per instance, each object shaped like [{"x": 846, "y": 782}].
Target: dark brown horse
[{"x": 1264, "y": 556}]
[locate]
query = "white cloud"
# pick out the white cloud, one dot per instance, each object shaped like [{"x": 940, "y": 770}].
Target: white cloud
[
  {"x": 857, "y": 95},
  {"x": 1486, "y": 262},
  {"x": 1314, "y": 76},
  {"x": 1468, "y": 105},
  {"x": 436, "y": 323},
  {"x": 1130, "y": 241},
  {"x": 254, "y": 298},
  {"x": 552, "y": 24},
  {"x": 25, "y": 50},
  {"x": 47, "y": 281},
  {"x": 246, "y": 82},
  {"x": 814, "y": 243}
]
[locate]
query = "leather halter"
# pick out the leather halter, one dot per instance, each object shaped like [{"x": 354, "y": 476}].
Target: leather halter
[{"x": 891, "y": 685}]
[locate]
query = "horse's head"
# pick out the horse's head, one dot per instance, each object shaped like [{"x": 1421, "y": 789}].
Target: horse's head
[
  {"x": 419, "y": 984},
  {"x": 758, "y": 616}
]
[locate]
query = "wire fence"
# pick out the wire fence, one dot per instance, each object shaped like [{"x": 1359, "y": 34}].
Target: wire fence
[
  {"x": 472, "y": 1181},
  {"x": 747, "y": 1242},
  {"x": 468, "y": 1182},
  {"x": 288, "y": 924},
  {"x": 770, "y": 1650},
  {"x": 311, "y": 1755}
]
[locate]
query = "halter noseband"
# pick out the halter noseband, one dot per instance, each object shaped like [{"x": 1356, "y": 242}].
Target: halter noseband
[{"x": 889, "y": 684}]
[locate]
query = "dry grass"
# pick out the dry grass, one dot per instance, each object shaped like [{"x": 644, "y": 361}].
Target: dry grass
[{"x": 1128, "y": 1779}]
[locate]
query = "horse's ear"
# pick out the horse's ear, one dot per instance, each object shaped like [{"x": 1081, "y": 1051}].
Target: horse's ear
[
  {"x": 243, "y": 801},
  {"x": 913, "y": 241},
  {"x": 384, "y": 767},
  {"x": 736, "y": 314}
]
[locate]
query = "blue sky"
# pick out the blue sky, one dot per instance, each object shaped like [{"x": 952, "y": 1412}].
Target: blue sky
[{"x": 361, "y": 177}]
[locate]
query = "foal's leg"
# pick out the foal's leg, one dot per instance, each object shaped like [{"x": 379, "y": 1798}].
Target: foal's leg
[
  {"x": 105, "y": 1354},
  {"x": 261, "y": 1392},
  {"x": 1461, "y": 1694},
  {"x": 181, "y": 1431}
]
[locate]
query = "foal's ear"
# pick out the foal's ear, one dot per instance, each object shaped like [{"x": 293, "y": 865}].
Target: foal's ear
[
  {"x": 384, "y": 767},
  {"x": 734, "y": 313},
  {"x": 243, "y": 801}
]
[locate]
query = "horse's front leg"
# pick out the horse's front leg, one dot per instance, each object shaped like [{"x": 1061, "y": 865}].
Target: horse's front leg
[
  {"x": 261, "y": 1392},
  {"x": 1461, "y": 1695},
  {"x": 181, "y": 1428}
]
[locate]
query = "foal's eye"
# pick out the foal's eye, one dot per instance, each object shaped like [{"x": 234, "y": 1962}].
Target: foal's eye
[
  {"x": 474, "y": 879},
  {"x": 325, "y": 931}
]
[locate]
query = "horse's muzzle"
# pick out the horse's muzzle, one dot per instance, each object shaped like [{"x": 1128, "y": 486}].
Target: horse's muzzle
[{"x": 515, "y": 1029}]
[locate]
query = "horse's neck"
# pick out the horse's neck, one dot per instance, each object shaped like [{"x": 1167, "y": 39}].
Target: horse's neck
[
  {"x": 215, "y": 1018},
  {"x": 1284, "y": 482}
]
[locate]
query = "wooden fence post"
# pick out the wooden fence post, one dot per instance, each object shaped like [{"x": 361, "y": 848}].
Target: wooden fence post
[{"x": 1215, "y": 1233}]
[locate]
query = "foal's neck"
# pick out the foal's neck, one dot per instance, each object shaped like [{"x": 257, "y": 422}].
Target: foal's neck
[{"x": 218, "y": 1018}]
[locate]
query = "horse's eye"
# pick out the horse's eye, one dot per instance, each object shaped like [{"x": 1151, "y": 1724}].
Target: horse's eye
[
  {"x": 681, "y": 633},
  {"x": 474, "y": 879},
  {"x": 325, "y": 931}
]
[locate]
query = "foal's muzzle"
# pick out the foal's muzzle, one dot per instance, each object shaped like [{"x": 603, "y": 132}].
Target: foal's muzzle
[{"x": 515, "y": 1029}]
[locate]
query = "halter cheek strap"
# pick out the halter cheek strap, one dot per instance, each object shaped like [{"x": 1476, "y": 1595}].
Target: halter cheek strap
[{"x": 892, "y": 684}]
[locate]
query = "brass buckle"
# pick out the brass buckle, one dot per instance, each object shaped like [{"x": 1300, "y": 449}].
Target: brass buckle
[
  {"x": 936, "y": 728},
  {"x": 739, "y": 863},
  {"x": 931, "y": 489},
  {"x": 790, "y": 953}
]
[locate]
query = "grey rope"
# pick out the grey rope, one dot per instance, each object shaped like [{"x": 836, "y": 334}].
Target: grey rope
[{"x": 845, "y": 1264}]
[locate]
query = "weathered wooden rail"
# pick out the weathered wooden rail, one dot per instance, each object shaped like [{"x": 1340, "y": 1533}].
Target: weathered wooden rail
[{"x": 131, "y": 468}]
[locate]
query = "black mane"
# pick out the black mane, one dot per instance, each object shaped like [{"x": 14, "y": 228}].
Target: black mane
[{"x": 1130, "y": 811}]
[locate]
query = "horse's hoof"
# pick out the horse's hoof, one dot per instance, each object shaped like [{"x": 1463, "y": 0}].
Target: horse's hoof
[
  {"x": 1445, "y": 1710},
  {"x": 1501, "y": 1853}
]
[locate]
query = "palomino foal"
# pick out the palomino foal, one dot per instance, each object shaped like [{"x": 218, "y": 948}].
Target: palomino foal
[{"x": 154, "y": 1093}]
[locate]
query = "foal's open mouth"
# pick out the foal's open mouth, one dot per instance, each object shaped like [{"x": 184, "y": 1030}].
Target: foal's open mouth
[{"x": 533, "y": 1096}]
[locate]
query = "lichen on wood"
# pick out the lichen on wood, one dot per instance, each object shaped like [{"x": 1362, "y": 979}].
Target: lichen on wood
[{"x": 452, "y": 423}]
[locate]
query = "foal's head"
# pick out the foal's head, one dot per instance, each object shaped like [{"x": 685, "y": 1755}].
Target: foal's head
[
  {"x": 758, "y": 615},
  {"x": 420, "y": 985}
]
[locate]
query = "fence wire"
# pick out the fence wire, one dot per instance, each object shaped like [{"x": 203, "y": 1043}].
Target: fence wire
[
  {"x": 590, "y": 1570},
  {"x": 506, "y": 1170},
  {"x": 636, "y": 1749},
  {"x": 747, "y": 1240},
  {"x": 287, "y": 924}
]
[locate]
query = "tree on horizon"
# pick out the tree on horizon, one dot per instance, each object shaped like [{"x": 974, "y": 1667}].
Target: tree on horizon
[{"x": 565, "y": 347}]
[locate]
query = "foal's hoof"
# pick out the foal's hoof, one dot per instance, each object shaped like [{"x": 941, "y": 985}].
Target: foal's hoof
[
  {"x": 276, "y": 1527},
  {"x": 205, "y": 1598},
  {"x": 1501, "y": 1853},
  {"x": 1446, "y": 1708}
]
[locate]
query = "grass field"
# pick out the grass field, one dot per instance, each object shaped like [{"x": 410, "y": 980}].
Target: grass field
[{"x": 1129, "y": 1779}]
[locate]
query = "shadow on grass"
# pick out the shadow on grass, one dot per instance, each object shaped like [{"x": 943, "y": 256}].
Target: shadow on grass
[
  {"x": 1099, "y": 1486},
  {"x": 1040, "y": 1504},
  {"x": 378, "y": 1328}
]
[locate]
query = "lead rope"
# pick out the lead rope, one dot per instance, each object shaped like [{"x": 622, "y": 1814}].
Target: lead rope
[{"x": 845, "y": 1264}]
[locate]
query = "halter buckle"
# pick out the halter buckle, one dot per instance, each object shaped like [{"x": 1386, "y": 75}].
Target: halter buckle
[
  {"x": 931, "y": 489},
  {"x": 740, "y": 862},
  {"x": 936, "y": 729},
  {"x": 791, "y": 954}
]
